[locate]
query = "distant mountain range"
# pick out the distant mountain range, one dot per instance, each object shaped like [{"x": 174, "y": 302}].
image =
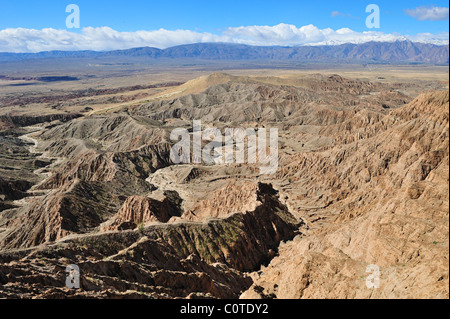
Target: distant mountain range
[{"x": 371, "y": 52}]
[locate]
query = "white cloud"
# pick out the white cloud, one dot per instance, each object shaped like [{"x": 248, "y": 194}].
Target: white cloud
[
  {"x": 282, "y": 34},
  {"x": 105, "y": 38},
  {"x": 429, "y": 13},
  {"x": 439, "y": 38},
  {"x": 99, "y": 39},
  {"x": 335, "y": 14}
]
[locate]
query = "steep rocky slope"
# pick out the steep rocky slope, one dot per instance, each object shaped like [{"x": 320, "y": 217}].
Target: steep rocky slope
[
  {"x": 385, "y": 203},
  {"x": 160, "y": 261}
]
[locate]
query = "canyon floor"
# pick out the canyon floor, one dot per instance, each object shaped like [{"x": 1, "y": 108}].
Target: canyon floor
[{"x": 86, "y": 179}]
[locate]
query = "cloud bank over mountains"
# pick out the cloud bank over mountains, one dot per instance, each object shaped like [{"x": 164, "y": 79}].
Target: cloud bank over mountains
[
  {"x": 104, "y": 38},
  {"x": 429, "y": 13}
]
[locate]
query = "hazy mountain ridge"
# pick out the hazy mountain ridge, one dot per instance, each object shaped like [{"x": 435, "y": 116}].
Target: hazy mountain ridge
[{"x": 381, "y": 52}]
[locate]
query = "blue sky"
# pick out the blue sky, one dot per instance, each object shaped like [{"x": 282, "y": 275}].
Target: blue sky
[
  {"x": 212, "y": 16},
  {"x": 215, "y": 17}
]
